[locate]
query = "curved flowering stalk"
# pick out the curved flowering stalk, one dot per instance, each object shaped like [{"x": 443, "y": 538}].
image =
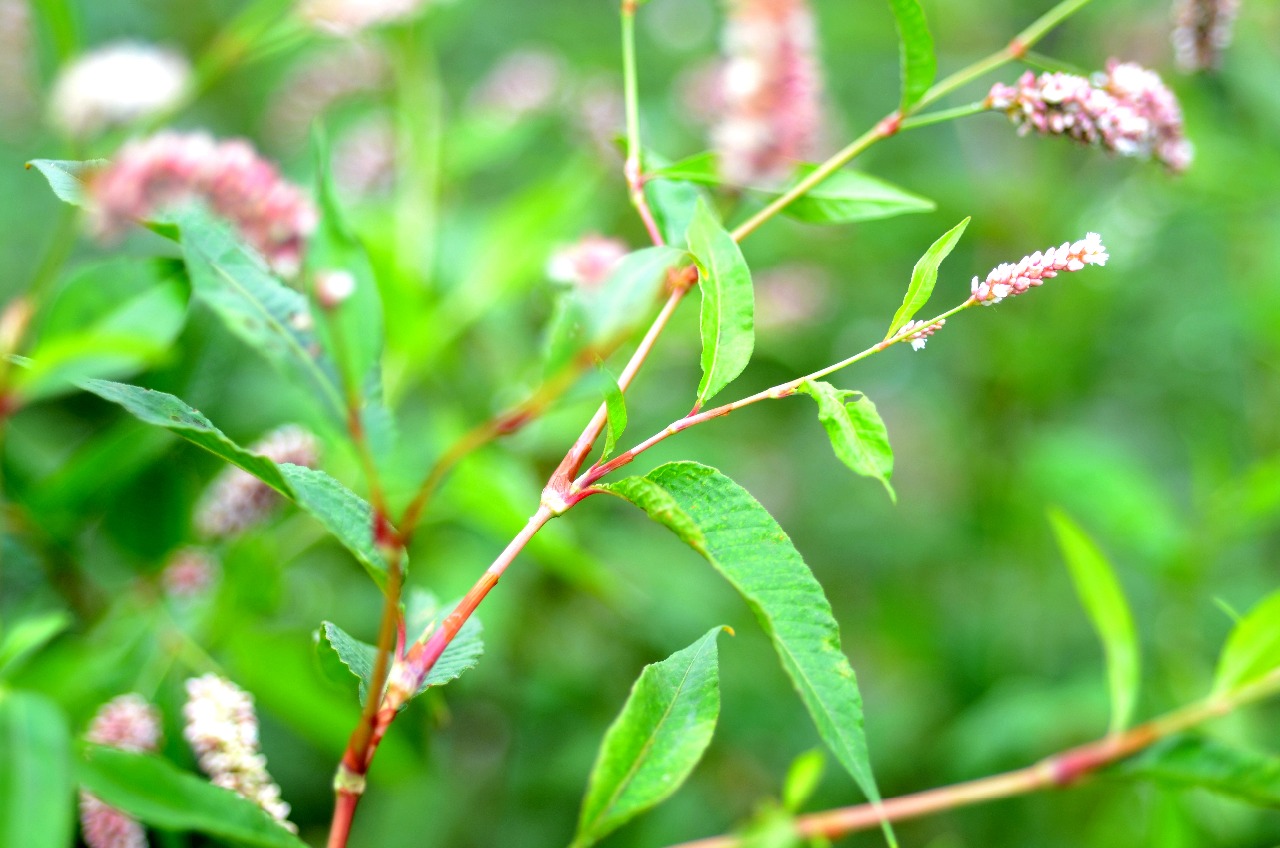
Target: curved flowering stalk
[
  {"x": 222, "y": 729},
  {"x": 1127, "y": 110},
  {"x": 129, "y": 723},
  {"x": 169, "y": 169},
  {"x": 1007, "y": 280}
]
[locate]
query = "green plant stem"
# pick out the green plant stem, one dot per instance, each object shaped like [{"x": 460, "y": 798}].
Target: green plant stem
[
  {"x": 633, "y": 169},
  {"x": 942, "y": 115},
  {"x": 1059, "y": 770},
  {"x": 772, "y": 393}
]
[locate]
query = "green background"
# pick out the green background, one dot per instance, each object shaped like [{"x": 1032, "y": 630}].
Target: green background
[{"x": 1139, "y": 397}]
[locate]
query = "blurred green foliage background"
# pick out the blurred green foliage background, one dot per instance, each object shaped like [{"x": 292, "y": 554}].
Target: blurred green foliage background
[{"x": 1140, "y": 397}]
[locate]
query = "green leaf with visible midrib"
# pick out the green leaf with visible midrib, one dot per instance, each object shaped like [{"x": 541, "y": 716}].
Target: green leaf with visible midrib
[
  {"x": 1195, "y": 762},
  {"x": 36, "y": 789},
  {"x": 919, "y": 65},
  {"x": 728, "y": 303},
  {"x": 1253, "y": 648},
  {"x": 339, "y": 509},
  {"x": 657, "y": 739},
  {"x": 270, "y": 317},
  {"x": 924, "y": 276},
  {"x": 720, "y": 520},
  {"x": 66, "y": 177},
  {"x": 1104, "y": 601},
  {"x": 857, "y": 433},
  {"x": 154, "y": 791}
]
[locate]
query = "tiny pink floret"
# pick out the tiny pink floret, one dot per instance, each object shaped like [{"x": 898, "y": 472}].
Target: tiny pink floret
[{"x": 1008, "y": 280}]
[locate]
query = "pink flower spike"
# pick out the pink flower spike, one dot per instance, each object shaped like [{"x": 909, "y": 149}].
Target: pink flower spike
[
  {"x": 918, "y": 332},
  {"x": 169, "y": 169},
  {"x": 129, "y": 723},
  {"x": 1008, "y": 280},
  {"x": 587, "y": 263}
]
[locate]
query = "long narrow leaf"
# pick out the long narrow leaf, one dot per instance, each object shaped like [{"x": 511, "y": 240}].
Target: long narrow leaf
[
  {"x": 728, "y": 303},
  {"x": 655, "y": 741},
  {"x": 721, "y": 521},
  {"x": 1253, "y": 648},
  {"x": 919, "y": 65},
  {"x": 924, "y": 276},
  {"x": 36, "y": 797},
  {"x": 1104, "y": 601}
]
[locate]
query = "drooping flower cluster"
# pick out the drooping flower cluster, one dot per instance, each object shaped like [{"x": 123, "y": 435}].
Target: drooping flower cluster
[
  {"x": 587, "y": 263},
  {"x": 1008, "y": 280},
  {"x": 222, "y": 729},
  {"x": 169, "y": 168},
  {"x": 1127, "y": 110},
  {"x": 116, "y": 85},
  {"x": 189, "y": 573},
  {"x": 771, "y": 88},
  {"x": 236, "y": 500},
  {"x": 1202, "y": 29},
  {"x": 347, "y": 17},
  {"x": 918, "y": 332},
  {"x": 131, "y": 724}
]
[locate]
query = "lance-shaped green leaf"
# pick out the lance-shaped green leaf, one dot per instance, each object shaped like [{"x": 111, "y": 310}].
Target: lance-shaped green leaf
[
  {"x": 845, "y": 197},
  {"x": 728, "y": 303},
  {"x": 657, "y": 739},
  {"x": 923, "y": 278},
  {"x": 27, "y": 635},
  {"x": 66, "y": 177},
  {"x": 1253, "y": 648},
  {"x": 156, "y": 792},
  {"x": 721, "y": 521},
  {"x": 615, "y": 405},
  {"x": 346, "y": 303},
  {"x": 1104, "y": 601},
  {"x": 347, "y": 516},
  {"x": 1196, "y": 762},
  {"x": 857, "y": 433},
  {"x": 263, "y": 312},
  {"x": 36, "y": 789},
  {"x": 919, "y": 65},
  {"x": 109, "y": 319}
]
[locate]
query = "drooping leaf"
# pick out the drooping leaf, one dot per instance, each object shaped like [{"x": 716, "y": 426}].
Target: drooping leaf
[
  {"x": 657, "y": 739},
  {"x": 37, "y": 799},
  {"x": 1104, "y": 601},
  {"x": 1253, "y": 648},
  {"x": 857, "y": 433},
  {"x": 919, "y": 65},
  {"x": 728, "y": 303},
  {"x": 721, "y": 521},
  {"x": 339, "y": 509},
  {"x": 616, "y": 408},
  {"x": 110, "y": 319},
  {"x": 845, "y": 197},
  {"x": 28, "y": 635},
  {"x": 66, "y": 177},
  {"x": 924, "y": 276},
  {"x": 263, "y": 312},
  {"x": 350, "y": 330},
  {"x": 154, "y": 791},
  {"x": 1196, "y": 762}
]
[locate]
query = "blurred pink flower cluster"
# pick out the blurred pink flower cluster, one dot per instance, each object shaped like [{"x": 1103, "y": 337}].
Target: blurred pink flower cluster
[
  {"x": 236, "y": 500},
  {"x": 771, "y": 89},
  {"x": 1127, "y": 110},
  {"x": 588, "y": 262},
  {"x": 1201, "y": 31},
  {"x": 168, "y": 169},
  {"x": 222, "y": 729},
  {"x": 131, "y": 724},
  {"x": 1008, "y": 280}
]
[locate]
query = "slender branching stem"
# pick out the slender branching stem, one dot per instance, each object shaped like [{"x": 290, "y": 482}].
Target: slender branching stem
[
  {"x": 633, "y": 169},
  {"x": 1059, "y": 770},
  {"x": 942, "y": 115},
  {"x": 772, "y": 393}
]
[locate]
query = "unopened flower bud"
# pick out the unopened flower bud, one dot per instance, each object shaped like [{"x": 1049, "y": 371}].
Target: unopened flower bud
[
  {"x": 918, "y": 332},
  {"x": 333, "y": 286},
  {"x": 1008, "y": 280}
]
